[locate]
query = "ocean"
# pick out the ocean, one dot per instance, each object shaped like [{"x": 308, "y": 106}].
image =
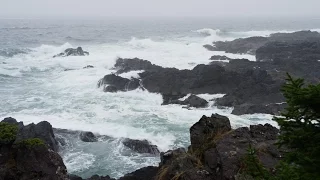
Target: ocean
[{"x": 35, "y": 87}]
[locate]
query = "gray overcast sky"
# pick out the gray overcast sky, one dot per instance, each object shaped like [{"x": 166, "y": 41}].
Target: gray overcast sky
[{"x": 101, "y": 8}]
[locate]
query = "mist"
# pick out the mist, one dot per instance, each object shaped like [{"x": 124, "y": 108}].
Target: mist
[{"x": 158, "y": 8}]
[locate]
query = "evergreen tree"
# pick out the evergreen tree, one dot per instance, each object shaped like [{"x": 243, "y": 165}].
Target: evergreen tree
[{"x": 300, "y": 128}]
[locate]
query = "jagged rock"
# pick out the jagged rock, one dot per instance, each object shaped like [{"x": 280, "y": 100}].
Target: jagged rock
[
  {"x": 29, "y": 160},
  {"x": 141, "y": 146},
  {"x": 42, "y": 130},
  {"x": 88, "y": 67},
  {"x": 208, "y": 126},
  {"x": 118, "y": 83},
  {"x": 296, "y": 50},
  {"x": 218, "y": 57},
  {"x": 146, "y": 173},
  {"x": 135, "y": 64},
  {"x": 88, "y": 137},
  {"x": 167, "y": 157},
  {"x": 191, "y": 101},
  {"x": 209, "y": 47},
  {"x": 246, "y": 108},
  {"x": 72, "y": 52}
]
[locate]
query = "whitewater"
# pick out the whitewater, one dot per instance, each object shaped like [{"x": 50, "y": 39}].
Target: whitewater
[{"x": 35, "y": 87}]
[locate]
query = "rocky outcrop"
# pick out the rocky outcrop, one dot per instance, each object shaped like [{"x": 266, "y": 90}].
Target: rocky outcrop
[
  {"x": 88, "y": 137},
  {"x": 208, "y": 126},
  {"x": 218, "y": 57},
  {"x": 289, "y": 51},
  {"x": 246, "y": 108},
  {"x": 29, "y": 155},
  {"x": 42, "y": 130},
  {"x": 72, "y": 52},
  {"x": 135, "y": 64},
  {"x": 88, "y": 67},
  {"x": 191, "y": 101},
  {"x": 251, "y": 44},
  {"x": 141, "y": 146},
  {"x": 146, "y": 173},
  {"x": 118, "y": 83},
  {"x": 219, "y": 153}
]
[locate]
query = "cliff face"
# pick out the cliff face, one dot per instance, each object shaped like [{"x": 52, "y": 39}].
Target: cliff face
[{"x": 28, "y": 152}]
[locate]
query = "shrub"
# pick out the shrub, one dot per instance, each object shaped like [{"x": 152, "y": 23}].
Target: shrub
[
  {"x": 32, "y": 142},
  {"x": 8, "y": 132}
]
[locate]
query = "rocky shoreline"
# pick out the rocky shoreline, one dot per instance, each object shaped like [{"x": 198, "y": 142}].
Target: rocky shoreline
[{"x": 216, "y": 152}]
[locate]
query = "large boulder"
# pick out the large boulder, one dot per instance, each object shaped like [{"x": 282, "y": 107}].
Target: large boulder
[
  {"x": 141, "y": 146},
  {"x": 208, "y": 126},
  {"x": 30, "y": 154},
  {"x": 42, "y": 130},
  {"x": 72, "y": 52},
  {"x": 118, "y": 83},
  {"x": 88, "y": 137},
  {"x": 191, "y": 101}
]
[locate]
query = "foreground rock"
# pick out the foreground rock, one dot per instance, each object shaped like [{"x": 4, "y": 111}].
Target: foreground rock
[
  {"x": 141, "y": 146},
  {"x": 118, "y": 83},
  {"x": 27, "y": 153},
  {"x": 217, "y": 152},
  {"x": 88, "y": 137},
  {"x": 72, "y": 52}
]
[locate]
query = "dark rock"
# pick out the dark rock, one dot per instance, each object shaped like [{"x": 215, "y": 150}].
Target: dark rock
[
  {"x": 74, "y": 177},
  {"x": 167, "y": 157},
  {"x": 246, "y": 108},
  {"x": 195, "y": 101},
  {"x": 119, "y": 83},
  {"x": 296, "y": 50},
  {"x": 209, "y": 47},
  {"x": 141, "y": 146},
  {"x": 135, "y": 64},
  {"x": 31, "y": 161},
  {"x": 72, "y": 52},
  {"x": 146, "y": 173},
  {"x": 251, "y": 44},
  {"x": 88, "y": 137},
  {"x": 88, "y": 67},
  {"x": 97, "y": 177},
  {"x": 240, "y": 46},
  {"x": 218, "y": 57},
  {"x": 208, "y": 126},
  {"x": 10, "y": 120},
  {"x": 110, "y": 88},
  {"x": 191, "y": 101},
  {"x": 42, "y": 130}
]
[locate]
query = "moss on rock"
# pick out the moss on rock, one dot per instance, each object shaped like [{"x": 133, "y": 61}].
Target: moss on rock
[
  {"x": 32, "y": 142},
  {"x": 8, "y": 132}
]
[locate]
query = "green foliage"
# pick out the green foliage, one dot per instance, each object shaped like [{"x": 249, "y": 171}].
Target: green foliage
[
  {"x": 8, "y": 132},
  {"x": 252, "y": 166},
  {"x": 32, "y": 142},
  {"x": 300, "y": 128}
]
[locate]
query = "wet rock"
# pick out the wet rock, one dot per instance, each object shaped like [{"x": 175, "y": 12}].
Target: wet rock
[
  {"x": 110, "y": 88},
  {"x": 296, "y": 50},
  {"x": 141, "y": 146},
  {"x": 209, "y": 47},
  {"x": 246, "y": 108},
  {"x": 191, "y": 101},
  {"x": 208, "y": 126},
  {"x": 42, "y": 130},
  {"x": 22, "y": 160},
  {"x": 218, "y": 57},
  {"x": 135, "y": 64},
  {"x": 72, "y": 52},
  {"x": 88, "y": 137},
  {"x": 118, "y": 83},
  {"x": 146, "y": 173},
  {"x": 88, "y": 67}
]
